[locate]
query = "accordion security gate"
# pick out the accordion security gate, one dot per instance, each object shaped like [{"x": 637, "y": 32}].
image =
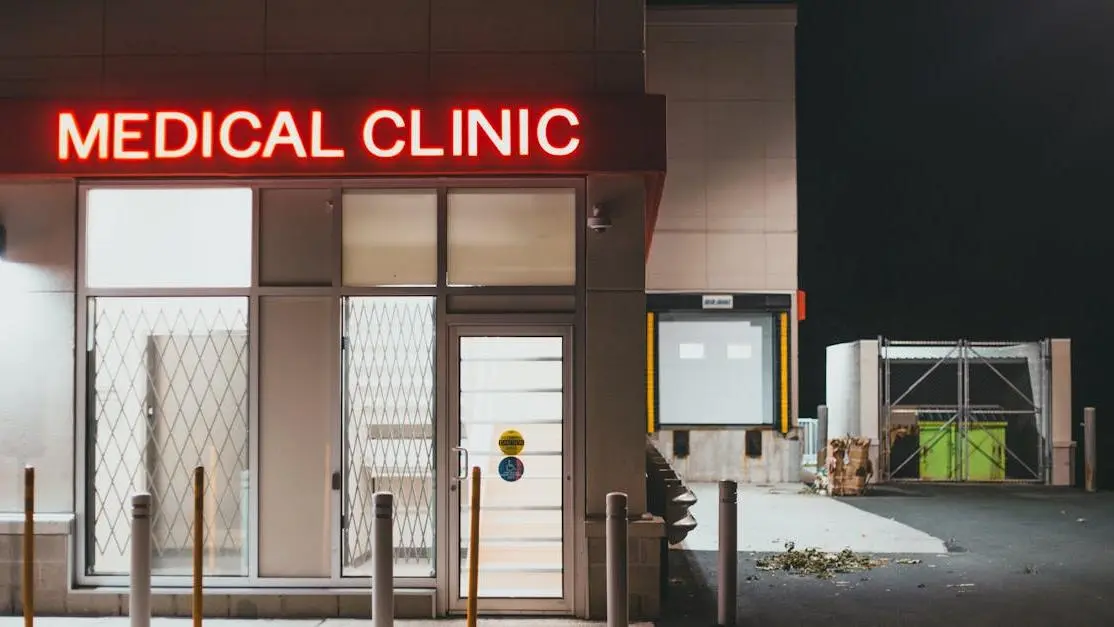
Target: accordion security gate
[{"x": 965, "y": 411}]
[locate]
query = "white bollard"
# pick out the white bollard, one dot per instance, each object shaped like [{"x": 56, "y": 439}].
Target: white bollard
[
  {"x": 728, "y": 552},
  {"x": 139, "y": 607},
  {"x": 618, "y": 595},
  {"x": 383, "y": 560}
]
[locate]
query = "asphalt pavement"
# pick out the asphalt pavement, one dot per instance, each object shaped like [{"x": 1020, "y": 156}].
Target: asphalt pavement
[{"x": 1017, "y": 555}]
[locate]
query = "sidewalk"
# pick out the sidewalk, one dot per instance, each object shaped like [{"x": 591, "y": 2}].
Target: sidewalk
[
  {"x": 122, "y": 621},
  {"x": 770, "y": 516}
]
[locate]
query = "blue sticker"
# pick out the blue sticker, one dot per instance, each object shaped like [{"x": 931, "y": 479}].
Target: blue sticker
[{"x": 510, "y": 469}]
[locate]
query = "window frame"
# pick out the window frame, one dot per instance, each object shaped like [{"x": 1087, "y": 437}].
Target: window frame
[
  {"x": 444, "y": 293},
  {"x": 777, "y": 306}
]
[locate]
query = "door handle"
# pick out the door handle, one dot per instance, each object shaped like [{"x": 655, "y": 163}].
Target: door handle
[{"x": 462, "y": 475}]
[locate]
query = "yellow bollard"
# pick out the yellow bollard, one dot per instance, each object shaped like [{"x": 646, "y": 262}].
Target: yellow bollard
[
  {"x": 474, "y": 549},
  {"x": 29, "y": 546},
  {"x": 198, "y": 540}
]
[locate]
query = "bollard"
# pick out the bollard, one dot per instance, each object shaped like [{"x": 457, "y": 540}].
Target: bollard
[
  {"x": 382, "y": 553},
  {"x": 139, "y": 597},
  {"x": 618, "y": 596},
  {"x": 474, "y": 550},
  {"x": 728, "y": 552},
  {"x": 821, "y": 436},
  {"x": 29, "y": 546},
  {"x": 198, "y": 542},
  {"x": 1089, "y": 452}
]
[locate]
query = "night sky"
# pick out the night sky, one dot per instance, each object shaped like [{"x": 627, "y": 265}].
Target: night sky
[{"x": 954, "y": 179}]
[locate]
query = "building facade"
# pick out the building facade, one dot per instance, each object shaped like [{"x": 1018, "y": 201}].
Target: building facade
[
  {"x": 723, "y": 303},
  {"x": 322, "y": 251}
]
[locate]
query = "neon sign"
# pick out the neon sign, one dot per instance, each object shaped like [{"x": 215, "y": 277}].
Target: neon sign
[{"x": 162, "y": 135}]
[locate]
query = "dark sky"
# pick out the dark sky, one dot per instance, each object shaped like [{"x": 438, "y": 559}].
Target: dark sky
[{"x": 954, "y": 179}]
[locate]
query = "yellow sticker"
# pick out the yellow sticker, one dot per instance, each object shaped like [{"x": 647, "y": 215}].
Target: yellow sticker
[{"x": 511, "y": 442}]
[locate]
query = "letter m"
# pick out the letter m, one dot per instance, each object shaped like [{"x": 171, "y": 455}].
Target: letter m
[{"x": 70, "y": 137}]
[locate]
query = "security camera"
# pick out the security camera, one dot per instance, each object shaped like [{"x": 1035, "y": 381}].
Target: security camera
[{"x": 598, "y": 221}]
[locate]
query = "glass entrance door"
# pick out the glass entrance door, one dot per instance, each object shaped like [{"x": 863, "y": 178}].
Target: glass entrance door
[{"x": 510, "y": 417}]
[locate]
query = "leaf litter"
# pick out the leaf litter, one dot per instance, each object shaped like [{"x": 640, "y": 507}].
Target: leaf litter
[
  {"x": 819, "y": 563},
  {"x": 822, "y": 564}
]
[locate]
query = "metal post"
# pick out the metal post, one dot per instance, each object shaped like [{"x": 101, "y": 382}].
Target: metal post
[
  {"x": 198, "y": 542},
  {"x": 29, "y": 546},
  {"x": 728, "y": 552},
  {"x": 382, "y": 554},
  {"x": 139, "y": 597},
  {"x": 1089, "y": 452},
  {"x": 821, "y": 436},
  {"x": 474, "y": 550},
  {"x": 618, "y": 596}
]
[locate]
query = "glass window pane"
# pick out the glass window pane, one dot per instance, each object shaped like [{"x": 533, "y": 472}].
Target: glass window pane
[
  {"x": 514, "y": 383},
  {"x": 512, "y": 237},
  {"x": 716, "y": 370},
  {"x": 388, "y": 429},
  {"x": 295, "y": 237},
  {"x": 170, "y": 386},
  {"x": 390, "y": 237},
  {"x": 168, "y": 237}
]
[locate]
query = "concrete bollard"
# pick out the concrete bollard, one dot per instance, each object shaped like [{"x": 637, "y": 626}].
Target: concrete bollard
[
  {"x": 728, "y": 553},
  {"x": 382, "y": 555},
  {"x": 618, "y": 590},
  {"x": 1090, "y": 454},
  {"x": 139, "y": 595}
]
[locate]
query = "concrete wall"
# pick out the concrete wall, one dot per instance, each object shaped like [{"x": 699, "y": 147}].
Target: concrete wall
[
  {"x": 728, "y": 217},
  {"x": 251, "y": 48},
  {"x": 843, "y": 385},
  {"x": 1063, "y": 446},
  {"x": 615, "y": 390}
]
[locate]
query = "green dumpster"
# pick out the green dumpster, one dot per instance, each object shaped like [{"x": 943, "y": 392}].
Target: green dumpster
[
  {"x": 984, "y": 447},
  {"x": 938, "y": 451},
  {"x": 986, "y": 451}
]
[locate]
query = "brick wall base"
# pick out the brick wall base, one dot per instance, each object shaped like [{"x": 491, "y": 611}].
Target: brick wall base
[{"x": 644, "y": 553}]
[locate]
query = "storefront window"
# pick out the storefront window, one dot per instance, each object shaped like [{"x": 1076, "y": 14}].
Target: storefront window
[
  {"x": 390, "y": 238},
  {"x": 388, "y": 428},
  {"x": 512, "y": 237},
  {"x": 716, "y": 369},
  {"x": 170, "y": 392},
  {"x": 168, "y": 238},
  {"x": 167, "y": 373}
]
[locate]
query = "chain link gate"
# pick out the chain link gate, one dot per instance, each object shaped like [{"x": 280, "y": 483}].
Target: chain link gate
[{"x": 965, "y": 411}]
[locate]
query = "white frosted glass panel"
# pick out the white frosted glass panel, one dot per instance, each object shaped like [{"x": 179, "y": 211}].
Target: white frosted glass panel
[
  {"x": 729, "y": 381},
  {"x": 166, "y": 237},
  {"x": 512, "y": 376},
  {"x": 512, "y": 237},
  {"x": 390, "y": 237},
  {"x": 528, "y": 347},
  {"x": 521, "y": 520}
]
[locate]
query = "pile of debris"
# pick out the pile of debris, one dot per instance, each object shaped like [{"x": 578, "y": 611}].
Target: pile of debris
[{"x": 815, "y": 562}]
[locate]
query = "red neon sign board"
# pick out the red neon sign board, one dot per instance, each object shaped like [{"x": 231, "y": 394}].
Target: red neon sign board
[{"x": 349, "y": 137}]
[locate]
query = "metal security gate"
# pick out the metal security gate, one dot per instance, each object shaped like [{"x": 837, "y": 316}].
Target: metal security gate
[{"x": 964, "y": 411}]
